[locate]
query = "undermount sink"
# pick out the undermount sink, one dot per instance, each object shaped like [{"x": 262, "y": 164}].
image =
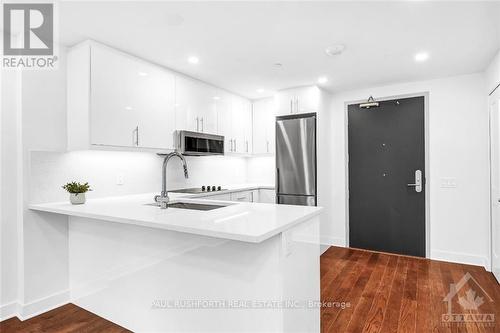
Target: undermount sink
[{"x": 190, "y": 205}]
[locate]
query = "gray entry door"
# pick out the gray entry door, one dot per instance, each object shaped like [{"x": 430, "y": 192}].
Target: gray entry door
[{"x": 386, "y": 159}]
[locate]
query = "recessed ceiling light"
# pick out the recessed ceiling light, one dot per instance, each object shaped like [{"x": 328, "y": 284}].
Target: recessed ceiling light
[
  {"x": 278, "y": 65},
  {"x": 421, "y": 56},
  {"x": 193, "y": 60},
  {"x": 260, "y": 90},
  {"x": 142, "y": 74},
  {"x": 322, "y": 79},
  {"x": 128, "y": 108},
  {"x": 334, "y": 50},
  {"x": 216, "y": 98}
]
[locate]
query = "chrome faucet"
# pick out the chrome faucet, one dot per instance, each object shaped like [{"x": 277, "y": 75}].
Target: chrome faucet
[{"x": 163, "y": 199}]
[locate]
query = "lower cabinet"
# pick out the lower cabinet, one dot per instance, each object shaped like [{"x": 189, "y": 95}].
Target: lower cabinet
[
  {"x": 261, "y": 196},
  {"x": 244, "y": 196},
  {"x": 267, "y": 196},
  {"x": 222, "y": 197}
]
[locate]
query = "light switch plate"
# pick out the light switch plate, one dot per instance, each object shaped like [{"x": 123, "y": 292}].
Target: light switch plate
[
  {"x": 120, "y": 178},
  {"x": 448, "y": 182}
]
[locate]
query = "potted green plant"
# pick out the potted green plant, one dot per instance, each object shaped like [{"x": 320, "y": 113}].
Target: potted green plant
[{"x": 77, "y": 192}]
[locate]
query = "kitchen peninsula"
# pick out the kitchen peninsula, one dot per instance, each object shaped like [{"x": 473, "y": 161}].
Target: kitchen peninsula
[{"x": 252, "y": 265}]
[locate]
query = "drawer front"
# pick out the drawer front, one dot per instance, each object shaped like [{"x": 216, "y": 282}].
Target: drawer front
[
  {"x": 222, "y": 197},
  {"x": 245, "y": 196}
]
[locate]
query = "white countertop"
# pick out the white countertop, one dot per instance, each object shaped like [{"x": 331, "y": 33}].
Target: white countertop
[{"x": 248, "y": 222}]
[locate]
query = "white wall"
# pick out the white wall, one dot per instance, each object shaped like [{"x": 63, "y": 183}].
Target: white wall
[
  {"x": 493, "y": 74},
  {"x": 458, "y": 141},
  {"x": 10, "y": 123}
]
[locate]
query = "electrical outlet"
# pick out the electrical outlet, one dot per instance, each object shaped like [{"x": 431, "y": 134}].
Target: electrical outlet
[
  {"x": 120, "y": 179},
  {"x": 448, "y": 182}
]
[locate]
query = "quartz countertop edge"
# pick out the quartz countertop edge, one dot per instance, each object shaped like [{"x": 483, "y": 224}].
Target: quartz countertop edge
[{"x": 246, "y": 222}]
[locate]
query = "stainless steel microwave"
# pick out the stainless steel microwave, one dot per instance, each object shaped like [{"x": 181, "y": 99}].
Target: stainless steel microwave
[{"x": 199, "y": 144}]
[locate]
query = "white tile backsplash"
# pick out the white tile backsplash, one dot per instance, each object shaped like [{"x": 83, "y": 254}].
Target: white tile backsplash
[{"x": 141, "y": 173}]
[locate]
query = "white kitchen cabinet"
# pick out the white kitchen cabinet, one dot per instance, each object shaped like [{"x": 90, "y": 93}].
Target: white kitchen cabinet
[
  {"x": 243, "y": 196},
  {"x": 264, "y": 120},
  {"x": 224, "y": 119},
  {"x": 195, "y": 105},
  {"x": 235, "y": 122},
  {"x": 117, "y": 100},
  {"x": 222, "y": 197},
  {"x": 242, "y": 125},
  {"x": 267, "y": 196},
  {"x": 297, "y": 100}
]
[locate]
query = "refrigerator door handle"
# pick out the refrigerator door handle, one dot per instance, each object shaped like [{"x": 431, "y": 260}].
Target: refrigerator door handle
[{"x": 277, "y": 180}]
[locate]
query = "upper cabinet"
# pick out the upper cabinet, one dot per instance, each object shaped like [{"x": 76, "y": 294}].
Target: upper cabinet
[
  {"x": 195, "y": 105},
  {"x": 117, "y": 100},
  {"x": 264, "y": 116},
  {"x": 235, "y": 123},
  {"x": 241, "y": 125},
  {"x": 297, "y": 100}
]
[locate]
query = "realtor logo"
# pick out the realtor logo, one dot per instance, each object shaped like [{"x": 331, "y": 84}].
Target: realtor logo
[
  {"x": 470, "y": 302},
  {"x": 28, "y": 36}
]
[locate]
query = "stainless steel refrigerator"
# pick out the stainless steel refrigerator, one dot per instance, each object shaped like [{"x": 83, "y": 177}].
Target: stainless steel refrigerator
[{"x": 296, "y": 160}]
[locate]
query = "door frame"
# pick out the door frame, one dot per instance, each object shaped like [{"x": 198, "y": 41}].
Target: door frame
[
  {"x": 492, "y": 95},
  {"x": 424, "y": 94}
]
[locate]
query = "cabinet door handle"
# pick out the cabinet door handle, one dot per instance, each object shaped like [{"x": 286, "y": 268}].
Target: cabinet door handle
[
  {"x": 136, "y": 136},
  {"x": 231, "y": 145},
  {"x": 234, "y": 145},
  {"x": 197, "y": 124},
  {"x": 247, "y": 145},
  {"x": 267, "y": 145},
  {"x": 202, "y": 127},
  {"x": 291, "y": 105}
]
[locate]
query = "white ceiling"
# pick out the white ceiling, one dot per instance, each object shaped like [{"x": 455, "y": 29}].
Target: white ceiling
[{"x": 238, "y": 42}]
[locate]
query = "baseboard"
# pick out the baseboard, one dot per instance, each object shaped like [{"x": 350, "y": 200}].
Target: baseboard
[
  {"x": 461, "y": 258},
  {"x": 326, "y": 242},
  {"x": 42, "y": 305},
  {"x": 332, "y": 241},
  {"x": 9, "y": 310}
]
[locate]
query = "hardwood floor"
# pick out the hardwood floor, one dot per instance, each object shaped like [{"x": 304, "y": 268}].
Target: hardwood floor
[
  {"x": 389, "y": 293},
  {"x": 67, "y": 318},
  {"x": 381, "y": 293}
]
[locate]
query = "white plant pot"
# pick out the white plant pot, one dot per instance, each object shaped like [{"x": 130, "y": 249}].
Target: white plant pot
[{"x": 77, "y": 198}]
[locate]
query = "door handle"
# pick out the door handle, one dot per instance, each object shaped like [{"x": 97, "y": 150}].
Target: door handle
[
  {"x": 136, "y": 136},
  {"x": 277, "y": 181},
  {"x": 418, "y": 181}
]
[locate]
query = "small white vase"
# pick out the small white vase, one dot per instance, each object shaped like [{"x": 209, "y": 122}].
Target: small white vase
[{"x": 77, "y": 198}]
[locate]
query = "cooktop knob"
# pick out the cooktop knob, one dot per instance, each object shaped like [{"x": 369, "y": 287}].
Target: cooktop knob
[
  {"x": 208, "y": 188},
  {"x": 203, "y": 188},
  {"x": 219, "y": 188},
  {"x": 214, "y": 188}
]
